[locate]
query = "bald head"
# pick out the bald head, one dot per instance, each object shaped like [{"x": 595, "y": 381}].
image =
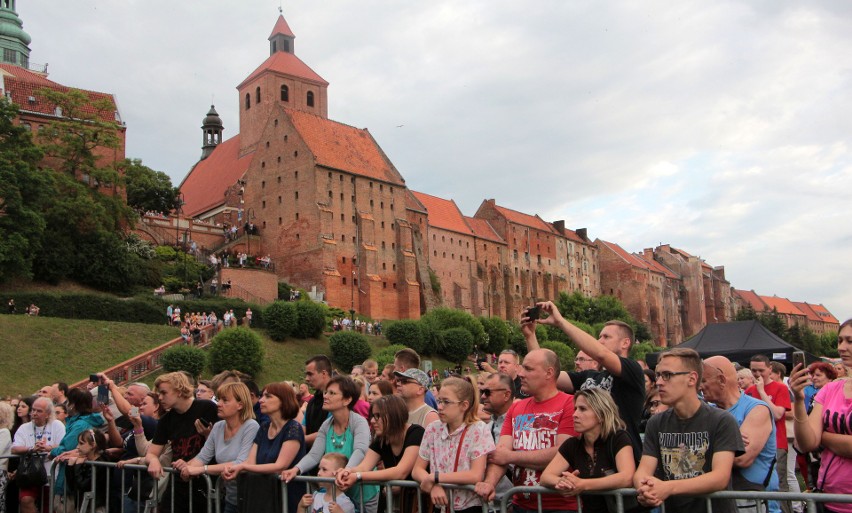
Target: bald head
[
  {"x": 720, "y": 364},
  {"x": 719, "y": 382}
]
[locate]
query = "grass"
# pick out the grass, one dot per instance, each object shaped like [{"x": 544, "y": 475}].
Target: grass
[{"x": 38, "y": 351}]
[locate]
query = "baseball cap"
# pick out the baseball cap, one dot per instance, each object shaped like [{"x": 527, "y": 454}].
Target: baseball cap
[{"x": 414, "y": 374}]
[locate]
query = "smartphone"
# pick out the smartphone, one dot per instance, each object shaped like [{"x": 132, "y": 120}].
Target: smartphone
[
  {"x": 799, "y": 357},
  {"x": 533, "y": 312},
  {"x": 134, "y": 411},
  {"x": 94, "y": 378},
  {"x": 103, "y": 394},
  {"x": 205, "y": 422}
]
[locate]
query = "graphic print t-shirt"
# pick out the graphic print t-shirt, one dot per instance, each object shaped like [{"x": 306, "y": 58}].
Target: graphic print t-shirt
[
  {"x": 179, "y": 429},
  {"x": 534, "y": 426},
  {"x": 684, "y": 449}
]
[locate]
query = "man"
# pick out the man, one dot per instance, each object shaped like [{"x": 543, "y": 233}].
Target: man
[
  {"x": 507, "y": 363},
  {"x": 411, "y": 386},
  {"x": 254, "y": 393},
  {"x": 689, "y": 448},
  {"x": 621, "y": 376},
  {"x": 533, "y": 431},
  {"x": 496, "y": 397},
  {"x": 44, "y": 391},
  {"x": 58, "y": 393},
  {"x": 170, "y": 310},
  {"x": 754, "y": 470},
  {"x": 357, "y": 370},
  {"x": 582, "y": 362},
  {"x": 185, "y": 420},
  {"x": 777, "y": 396},
  {"x": 407, "y": 358},
  {"x": 317, "y": 376},
  {"x": 43, "y": 433}
]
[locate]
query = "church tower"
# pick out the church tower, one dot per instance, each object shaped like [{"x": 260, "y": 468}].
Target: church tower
[
  {"x": 282, "y": 78},
  {"x": 212, "y": 129},
  {"x": 13, "y": 40}
]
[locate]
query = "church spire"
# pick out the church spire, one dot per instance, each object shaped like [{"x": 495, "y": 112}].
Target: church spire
[
  {"x": 212, "y": 128},
  {"x": 14, "y": 42},
  {"x": 282, "y": 38}
]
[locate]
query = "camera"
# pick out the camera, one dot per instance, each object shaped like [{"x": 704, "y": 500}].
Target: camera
[{"x": 533, "y": 312}]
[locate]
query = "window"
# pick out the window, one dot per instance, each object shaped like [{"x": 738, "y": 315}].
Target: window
[
  {"x": 264, "y": 225},
  {"x": 344, "y": 280},
  {"x": 310, "y": 98},
  {"x": 285, "y": 93},
  {"x": 297, "y": 194},
  {"x": 276, "y": 122},
  {"x": 263, "y": 204},
  {"x": 297, "y": 216},
  {"x": 280, "y": 221},
  {"x": 279, "y": 200},
  {"x": 248, "y": 101},
  {"x": 257, "y": 95},
  {"x": 384, "y": 266},
  {"x": 279, "y": 178},
  {"x": 344, "y": 260}
]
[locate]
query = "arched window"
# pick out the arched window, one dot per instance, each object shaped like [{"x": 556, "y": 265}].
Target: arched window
[
  {"x": 248, "y": 101},
  {"x": 257, "y": 95},
  {"x": 310, "y": 98},
  {"x": 285, "y": 93}
]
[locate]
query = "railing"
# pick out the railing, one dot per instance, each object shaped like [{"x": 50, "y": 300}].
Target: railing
[{"x": 149, "y": 361}]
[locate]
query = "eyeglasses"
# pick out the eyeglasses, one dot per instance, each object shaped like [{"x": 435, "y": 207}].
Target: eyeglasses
[
  {"x": 581, "y": 359},
  {"x": 654, "y": 404},
  {"x": 487, "y": 391},
  {"x": 667, "y": 375},
  {"x": 375, "y": 416},
  {"x": 444, "y": 402}
]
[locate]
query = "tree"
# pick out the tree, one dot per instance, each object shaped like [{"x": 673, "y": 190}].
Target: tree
[
  {"x": 24, "y": 191},
  {"x": 348, "y": 349},
  {"x": 237, "y": 348},
  {"x": 148, "y": 189}
]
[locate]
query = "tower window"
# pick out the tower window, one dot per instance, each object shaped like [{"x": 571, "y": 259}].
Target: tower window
[
  {"x": 248, "y": 101},
  {"x": 257, "y": 95},
  {"x": 285, "y": 93},
  {"x": 310, "y": 98}
]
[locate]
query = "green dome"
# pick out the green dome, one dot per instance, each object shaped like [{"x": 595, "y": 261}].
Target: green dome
[{"x": 11, "y": 27}]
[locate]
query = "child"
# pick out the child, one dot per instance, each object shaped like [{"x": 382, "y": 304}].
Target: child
[
  {"x": 371, "y": 371},
  {"x": 323, "y": 501},
  {"x": 91, "y": 445},
  {"x": 455, "y": 448}
]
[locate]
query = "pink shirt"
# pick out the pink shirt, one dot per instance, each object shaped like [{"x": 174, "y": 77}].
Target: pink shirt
[
  {"x": 439, "y": 448},
  {"x": 835, "y": 471}
]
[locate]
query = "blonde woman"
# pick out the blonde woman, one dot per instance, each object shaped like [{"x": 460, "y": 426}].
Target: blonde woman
[
  {"x": 455, "y": 448},
  {"x": 7, "y": 420},
  {"x": 600, "y": 458}
]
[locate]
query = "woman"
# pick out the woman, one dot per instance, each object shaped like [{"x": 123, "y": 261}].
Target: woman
[
  {"x": 81, "y": 417},
  {"x": 279, "y": 443},
  {"x": 22, "y": 412},
  {"x": 840, "y": 370},
  {"x": 830, "y": 415},
  {"x": 455, "y": 447},
  {"x": 229, "y": 441},
  {"x": 379, "y": 388},
  {"x": 345, "y": 432},
  {"x": 745, "y": 379},
  {"x": 600, "y": 458},
  {"x": 143, "y": 484},
  {"x": 7, "y": 419},
  {"x": 821, "y": 373},
  {"x": 396, "y": 446},
  {"x": 61, "y": 412}
]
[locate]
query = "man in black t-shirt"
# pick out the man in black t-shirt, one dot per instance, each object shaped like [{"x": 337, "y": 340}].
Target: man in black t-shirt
[
  {"x": 619, "y": 375},
  {"x": 317, "y": 376},
  {"x": 186, "y": 425}
]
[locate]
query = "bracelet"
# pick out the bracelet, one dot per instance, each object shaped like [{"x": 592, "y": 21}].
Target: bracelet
[
  {"x": 205, "y": 469},
  {"x": 358, "y": 476},
  {"x": 139, "y": 432},
  {"x": 437, "y": 476},
  {"x": 799, "y": 421}
]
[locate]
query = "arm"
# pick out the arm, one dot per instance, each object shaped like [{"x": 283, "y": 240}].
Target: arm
[
  {"x": 807, "y": 428},
  {"x": 430, "y": 417},
  {"x": 646, "y": 469},
  {"x": 312, "y": 458},
  {"x": 361, "y": 435},
  {"x": 504, "y": 455},
  {"x": 572, "y": 484},
  {"x": 19, "y": 444},
  {"x": 553, "y": 472},
  {"x": 152, "y": 460},
  {"x": 463, "y": 477},
  {"x": 289, "y": 450},
  {"x": 756, "y": 428},
  {"x": 583, "y": 340},
  {"x": 119, "y": 400},
  {"x": 113, "y": 436},
  {"x": 777, "y": 411},
  {"x": 713, "y": 481},
  {"x": 837, "y": 443}
]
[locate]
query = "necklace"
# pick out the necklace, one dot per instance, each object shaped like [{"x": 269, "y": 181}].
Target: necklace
[{"x": 337, "y": 441}]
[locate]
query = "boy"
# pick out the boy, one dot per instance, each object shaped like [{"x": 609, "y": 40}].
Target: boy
[{"x": 322, "y": 500}]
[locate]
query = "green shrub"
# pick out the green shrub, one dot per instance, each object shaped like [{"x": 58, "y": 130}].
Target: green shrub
[
  {"x": 642, "y": 349},
  {"x": 563, "y": 352},
  {"x": 458, "y": 344},
  {"x": 166, "y": 253},
  {"x": 516, "y": 339},
  {"x": 406, "y": 333},
  {"x": 311, "y": 319},
  {"x": 184, "y": 358},
  {"x": 280, "y": 319},
  {"x": 385, "y": 356},
  {"x": 99, "y": 307},
  {"x": 441, "y": 319},
  {"x": 497, "y": 333},
  {"x": 348, "y": 349},
  {"x": 237, "y": 348}
]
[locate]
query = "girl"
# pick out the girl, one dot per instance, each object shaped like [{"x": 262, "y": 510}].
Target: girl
[
  {"x": 601, "y": 458},
  {"x": 379, "y": 388},
  {"x": 454, "y": 447},
  {"x": 22, "y": 413},
  {"x": 91, "y": 445}
]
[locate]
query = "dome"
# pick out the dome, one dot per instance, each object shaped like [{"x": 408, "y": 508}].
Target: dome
[
  {"x": 10, "y": 26},
  {"x": 212, "y": 118}
]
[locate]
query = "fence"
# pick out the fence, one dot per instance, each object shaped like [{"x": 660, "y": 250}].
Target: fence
[{"x": 145, "y": 502}]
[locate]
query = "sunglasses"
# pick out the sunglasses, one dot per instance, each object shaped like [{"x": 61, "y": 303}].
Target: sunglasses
[{"x": 487, "y": 391}]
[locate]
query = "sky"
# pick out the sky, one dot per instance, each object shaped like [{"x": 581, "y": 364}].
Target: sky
[{"x": 722, "y": 128}]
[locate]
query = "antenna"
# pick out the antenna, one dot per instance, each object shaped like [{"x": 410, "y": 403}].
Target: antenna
[{"x": 280, "y": 8}]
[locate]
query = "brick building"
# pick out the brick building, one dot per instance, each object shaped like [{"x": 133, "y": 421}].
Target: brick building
[{"x": 815, "y": 317}]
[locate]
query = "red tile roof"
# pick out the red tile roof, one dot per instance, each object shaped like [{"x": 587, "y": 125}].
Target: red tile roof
[
  {"x": 627, "y": 257},
  {"x": 285, "y": 64},
  {"x": 783, "y": 305},
  {"x": 657, "y": 266},
  {"x": 443, "y": 213},
  {"x": 525, "y": 219},
  {"x": 571, "y": 235},
  {"x": 281, "y": 27},
  {"x": 824, "y": 314},
  {"x": 412, "y": 203},
  {"x": 482, "y": 229},
  {"x": 808, "y": 311},
  {"x": 750, "y": 297},
  {"x": 344, "y": 147},
  {"x": 205, "y": 185},
  {"x": 23, "y": 84}
]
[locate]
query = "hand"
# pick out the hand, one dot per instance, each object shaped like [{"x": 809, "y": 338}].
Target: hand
[
  {"x": 105, "y": 379},
  {"x": 652, "y": 491},
  {"x": 155, "y": 469},
  {"x": 186, "y": 473},
  {"x": 500, "y": 456},
  {"x": 758, "y": 382},
  {"x": 289, "y": 474},
  {"x": 232, "y": 472},
  {"x": 202, "y": 429},
  {"x": 107, "y": 414},
  {"x": 485, "y": 491},
  {"x": 554, "y": 318},
  {"x": 439, "y": 496},
  {"x": 745, "y": 440},
  {"x": 178, "y": 465},
  {"x": 345, "y": 479},
  {"x": 799, "y": 379},
  {"x": 334, "y": 507},
  {"x": 427, "y": 483},
  {"x": 307, "y": 500},
  {"x": 571, "y": 484},
  {"x": 136, "y": 421}
]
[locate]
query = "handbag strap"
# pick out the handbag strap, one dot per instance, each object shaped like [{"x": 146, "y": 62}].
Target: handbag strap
[{"x": 458, "y": 450}]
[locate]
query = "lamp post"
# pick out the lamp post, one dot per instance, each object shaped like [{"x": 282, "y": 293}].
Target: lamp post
[
  {"x": 249, "y": 224},
  {"x": 352, "y": 306},
  {"x": 178, "y": 208}
]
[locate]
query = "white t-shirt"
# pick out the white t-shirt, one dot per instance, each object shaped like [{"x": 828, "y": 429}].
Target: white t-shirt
[
  {"x": 5, "y": 447},
  {"x": 320, "y": 505},
  {"x": 27, "y": 434}
]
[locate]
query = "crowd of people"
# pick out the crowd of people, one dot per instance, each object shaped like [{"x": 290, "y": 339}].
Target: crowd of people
[
  {"x": 690, "y": 426},
  {"x": 363, "y": 327}
]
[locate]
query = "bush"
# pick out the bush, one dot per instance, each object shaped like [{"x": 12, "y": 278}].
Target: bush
[
  {"x": 441, "y": 319},
  {"x": 516, "y": 339},
  {"x": 642, "y": 349},
  {"x": 348, "y": 349},
  {"x": 280, "y": 319},
  {"x": 236, "y": 349},
  {"x": 458, "y": 344},
  {"x": 184, "y": 358},
  {"x": 385, "y": 356},
  {"x": 497, "y": 333},
  {"x": 563, "y": 352},
  {"x": 311, "y": 319},
  {"x": 406, "y": 333},
  {"x": 99, "y": 307}
]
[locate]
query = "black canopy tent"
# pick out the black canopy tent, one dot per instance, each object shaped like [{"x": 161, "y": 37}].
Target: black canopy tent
[{"x": 738, "y": 341}]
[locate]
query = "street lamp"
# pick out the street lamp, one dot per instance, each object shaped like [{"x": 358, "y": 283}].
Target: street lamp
[
  {"x": 249, "y": 223},
  {"x": 178, "y": 209},
  {"x": 352, "y": 306}
]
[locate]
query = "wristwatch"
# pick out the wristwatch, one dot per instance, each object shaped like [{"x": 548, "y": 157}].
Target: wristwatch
[{"x": 358, "y": 476}]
